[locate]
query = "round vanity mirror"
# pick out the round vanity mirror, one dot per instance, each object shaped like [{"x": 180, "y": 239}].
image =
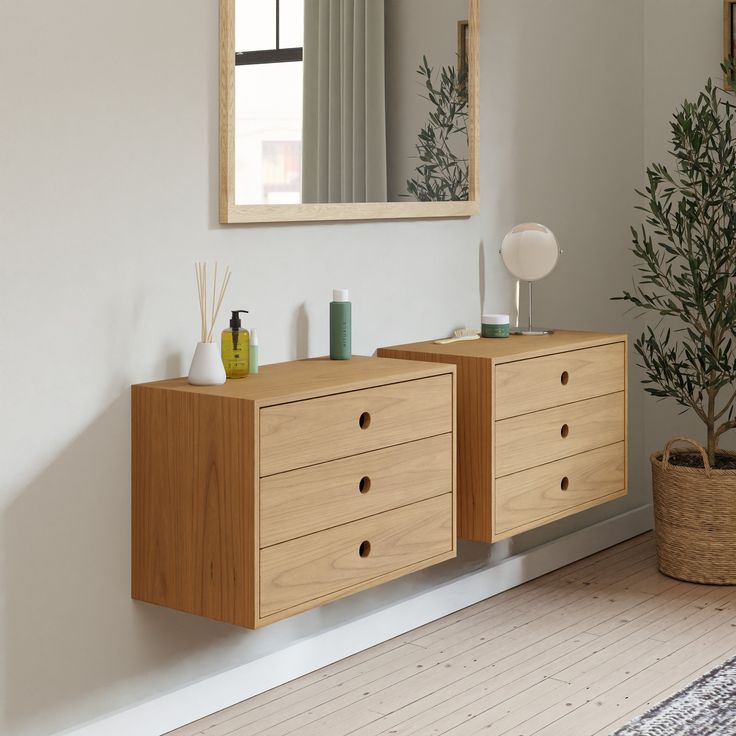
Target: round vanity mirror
[{"x": 530, "y": 252}]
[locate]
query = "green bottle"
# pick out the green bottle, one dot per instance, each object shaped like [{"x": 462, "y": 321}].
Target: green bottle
[{"x": 340, "y": 325}]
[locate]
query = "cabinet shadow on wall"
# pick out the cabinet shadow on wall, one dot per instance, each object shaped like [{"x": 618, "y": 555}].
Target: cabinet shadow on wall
[
  {"x": 72, "y": 631},
  {"x": 66, "y": 577}
]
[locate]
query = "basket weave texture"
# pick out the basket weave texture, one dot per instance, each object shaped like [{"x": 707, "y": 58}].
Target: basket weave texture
[{"x": 695, "y": 518}]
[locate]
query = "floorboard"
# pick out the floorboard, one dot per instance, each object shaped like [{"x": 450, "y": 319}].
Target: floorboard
[{"x": 578, "y": 652}]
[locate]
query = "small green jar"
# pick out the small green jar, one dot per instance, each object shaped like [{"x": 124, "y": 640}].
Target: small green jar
[{"x": 495, "y": 325}]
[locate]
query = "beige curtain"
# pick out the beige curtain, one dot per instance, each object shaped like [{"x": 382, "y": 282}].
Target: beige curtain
[{"x": 344, "y": 141}]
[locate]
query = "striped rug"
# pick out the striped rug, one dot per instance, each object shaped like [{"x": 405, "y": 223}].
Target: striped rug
[{"x": 705, "y": 708}]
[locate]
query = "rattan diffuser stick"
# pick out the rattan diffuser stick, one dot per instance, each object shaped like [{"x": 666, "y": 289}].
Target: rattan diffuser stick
[{"x": 208, "y": 321}]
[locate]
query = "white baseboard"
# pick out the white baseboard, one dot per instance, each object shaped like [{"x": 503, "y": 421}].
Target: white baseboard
[{"x": 220, "y": 691}]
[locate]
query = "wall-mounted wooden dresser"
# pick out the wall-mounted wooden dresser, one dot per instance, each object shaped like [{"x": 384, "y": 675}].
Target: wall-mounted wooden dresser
[
  {"x": 282, "y": 491},
  {"x": 541, "y": 427}
]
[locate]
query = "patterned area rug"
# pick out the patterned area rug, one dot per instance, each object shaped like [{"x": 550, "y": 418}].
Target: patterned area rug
[{"x": 705, "y": 708}]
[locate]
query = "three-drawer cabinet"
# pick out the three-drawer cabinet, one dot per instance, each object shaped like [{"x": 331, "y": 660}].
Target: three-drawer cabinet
[
  {"x": 541, "y": 427},
  {"x": 291, "y": 488}
]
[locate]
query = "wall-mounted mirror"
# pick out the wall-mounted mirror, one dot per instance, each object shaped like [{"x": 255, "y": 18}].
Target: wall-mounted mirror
[{"x": 348, "y": 109}]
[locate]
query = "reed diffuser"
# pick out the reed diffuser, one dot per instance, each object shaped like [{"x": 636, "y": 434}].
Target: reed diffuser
[{"x": 207, "y": 368}]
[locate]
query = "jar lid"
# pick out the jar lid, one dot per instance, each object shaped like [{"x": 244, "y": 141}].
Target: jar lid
[{"x": 495, "y": 319}]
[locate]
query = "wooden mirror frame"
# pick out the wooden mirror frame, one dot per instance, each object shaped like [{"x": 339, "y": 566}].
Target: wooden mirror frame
[
  {"x": 231, "y": 213},
  {"x": 729, "y": 8}
]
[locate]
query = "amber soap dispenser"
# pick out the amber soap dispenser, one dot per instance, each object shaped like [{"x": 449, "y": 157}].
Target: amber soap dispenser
[{"x": 235, "y": 347}]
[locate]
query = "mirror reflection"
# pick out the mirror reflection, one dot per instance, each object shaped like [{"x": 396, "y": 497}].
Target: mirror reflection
[{"x": 351, "y": 101}]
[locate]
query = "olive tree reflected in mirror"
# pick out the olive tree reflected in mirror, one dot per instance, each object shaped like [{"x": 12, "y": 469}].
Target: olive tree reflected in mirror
[
  {"x": 329, "y": 106},
  {"x": 442, "y": 150}
]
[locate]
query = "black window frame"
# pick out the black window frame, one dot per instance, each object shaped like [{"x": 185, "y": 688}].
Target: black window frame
[{"x": 276, "y": 55}]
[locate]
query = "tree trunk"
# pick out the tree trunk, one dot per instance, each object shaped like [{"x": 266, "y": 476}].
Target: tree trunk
[
  {"x": 712, "y": 445},
  {"x": 711, "y": 425}
]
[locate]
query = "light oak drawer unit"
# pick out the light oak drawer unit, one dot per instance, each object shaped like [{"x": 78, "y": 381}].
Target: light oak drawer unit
[
  {"x": 555, "y": 490},
  {"x": 545, "y": 436},
  {"x": 283, "y": 491},
  {"x": 308, "y": 432},
  {"x": 525, "y": 386},
  {"x": 302, "y": 572},
  {"x": 530, "y": 409},
  {"x": 307, "y": 500}
]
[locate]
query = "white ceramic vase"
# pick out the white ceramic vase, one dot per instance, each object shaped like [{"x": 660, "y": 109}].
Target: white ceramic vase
[{"x": 207, "y": 368}]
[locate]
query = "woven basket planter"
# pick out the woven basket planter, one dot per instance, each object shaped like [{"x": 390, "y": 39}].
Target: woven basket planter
[{"x": 695, "y": 518}]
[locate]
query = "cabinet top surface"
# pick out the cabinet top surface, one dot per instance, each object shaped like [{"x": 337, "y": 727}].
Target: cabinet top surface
[
  {"x": 314, "y": 377},
  {"x": 515, "y": 347}
]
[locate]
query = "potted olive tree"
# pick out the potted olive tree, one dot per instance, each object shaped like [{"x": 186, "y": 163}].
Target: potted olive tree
[{"x": 686, "y": 277}]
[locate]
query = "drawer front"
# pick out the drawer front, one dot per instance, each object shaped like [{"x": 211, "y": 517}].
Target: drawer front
[
  {"x": 534, "y": 439},
  {"x": 304, "y": 433},
  {"x": 322, "y": 565},
  {"x": 541, "y": 383},
  {"x": 304, "y": 501},
  {"x": 534, "y": 497}
]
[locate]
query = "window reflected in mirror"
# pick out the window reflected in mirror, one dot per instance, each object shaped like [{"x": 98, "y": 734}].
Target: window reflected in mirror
[{"x": 269, "y": 37}]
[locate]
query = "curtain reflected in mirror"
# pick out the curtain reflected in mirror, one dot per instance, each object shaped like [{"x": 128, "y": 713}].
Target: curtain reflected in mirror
[
  {"x": 344, "y": 138},
  {"x": 350, "y": 101}
]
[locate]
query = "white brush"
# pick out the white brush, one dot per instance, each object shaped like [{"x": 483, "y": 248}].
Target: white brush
[{"x": 459, "y": 336}]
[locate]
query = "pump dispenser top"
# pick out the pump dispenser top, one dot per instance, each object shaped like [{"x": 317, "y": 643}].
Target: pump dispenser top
[{"x": 235, "y": 322}]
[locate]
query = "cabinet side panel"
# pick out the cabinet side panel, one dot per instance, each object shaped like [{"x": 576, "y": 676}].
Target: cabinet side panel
[
  {"x": 473, "y": 439},
  {"x": 474, "y": 449},
  {"x": 193, "y": 502}
]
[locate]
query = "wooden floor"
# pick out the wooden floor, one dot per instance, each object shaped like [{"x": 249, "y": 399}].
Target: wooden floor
[{"x": 577, "y": 652}]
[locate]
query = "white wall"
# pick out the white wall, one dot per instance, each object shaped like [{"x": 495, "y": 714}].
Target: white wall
[{"x": 108, "y": 185}]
